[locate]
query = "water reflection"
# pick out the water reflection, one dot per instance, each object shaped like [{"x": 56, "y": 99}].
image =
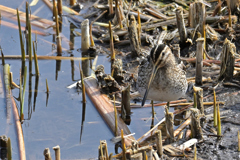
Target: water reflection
[
  {"x": 85, "y": 64},
  {"x": 30, "y": 91},
  {"x": 72, "y": 36},
  {"x": 83, "y": 119},
  {"x": 35, "y": 92}
]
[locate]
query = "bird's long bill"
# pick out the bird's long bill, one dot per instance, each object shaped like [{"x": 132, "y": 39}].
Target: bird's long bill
[{"x": 154, "y": 71}]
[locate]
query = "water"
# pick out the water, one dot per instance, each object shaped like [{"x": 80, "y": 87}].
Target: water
[{"x": 58, "y": 119}]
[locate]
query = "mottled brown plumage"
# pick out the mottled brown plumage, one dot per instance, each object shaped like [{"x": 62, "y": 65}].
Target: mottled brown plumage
[{"x": 168, "y": 79}]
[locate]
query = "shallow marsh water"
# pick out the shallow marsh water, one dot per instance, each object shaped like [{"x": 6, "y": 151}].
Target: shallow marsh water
[{"x": 58, "y": 121}]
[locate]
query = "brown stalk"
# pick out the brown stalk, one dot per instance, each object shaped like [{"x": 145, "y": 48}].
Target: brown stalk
[{"x": 90, "y": 28}]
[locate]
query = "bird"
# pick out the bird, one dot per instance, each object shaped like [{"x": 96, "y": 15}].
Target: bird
[{"x": 160, "y": 78}]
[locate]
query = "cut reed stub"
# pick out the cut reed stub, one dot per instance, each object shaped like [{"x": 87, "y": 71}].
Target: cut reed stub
[
  {"x": 47, "y": 154},
  {"x": 57, "y": 152},
  {"x": 169, "y": 126},
  {"x": 197, "y": 17},
  {"x": 196, "y": 128},
  {"x": 199, "y": 61},
  {"x": 134, "y": 38},
  {"x": 199, "y": 99},
  {"x": 227, "y": 61},
  {"x": 181, "y": 25},
  {"x": 85, "y": 44}
]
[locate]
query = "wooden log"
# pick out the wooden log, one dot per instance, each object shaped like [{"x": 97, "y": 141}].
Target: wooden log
[
  {"x": 199, "y": 61},
  {"x": 105, "y": 108},
  {"x": 227, "y": 61},
  {"x": 196, "y": 128},
  {"x": 181, "y": 25}
]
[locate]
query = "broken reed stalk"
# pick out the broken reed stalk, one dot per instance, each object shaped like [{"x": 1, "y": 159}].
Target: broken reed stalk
[
  {"x": 59, "y": 45},
  {"x": 35, "y": 60},
  {"x": 197, "y": 16},
  {"x": 91, "y": 37},
  {"x": 145, "y": 155},
  {"x": 111, "y": 42},
  {"x": 111, "y": 11},
  {"x": 199, "y": 61},
  {"x": 103, "y": 151},
  {"x": 54, "y": 8},
  {"x": 126, "y": 108},
  {"x": 20, "y": 36},
  {"x": 199, "y": 99},
  {"x": 139, "y": 28},
  {"x": 116, "y": 121},
  {"x": 118, "y": 14},
  {"x": 47, "y": 86},
  {"x": 196, "y": 129},
  {"x": 47, "y": 154},
  {"x": 238, "y": 141},
  {"x": 194, "y": 100},
  {"x": 159, "y": 142},
  {"x": 59, "y": 6},
  {"x": 9, "y": 149},
  {"x": 219, "y": 132},
  {"x": 227, "y": 60},
  {"x": 85, "y": 35},
  {"x": 57, "y": 152},
  {"x": 133, "y": 37},
  {"x": 123, "y": 146},
  {"x": 83, "y": 85},
  {"x": 214, "y": 108},
  {"x": 169, "y": 126},
  {"x": 72, "y": 2},
  {"x": 181, "y": 25}
]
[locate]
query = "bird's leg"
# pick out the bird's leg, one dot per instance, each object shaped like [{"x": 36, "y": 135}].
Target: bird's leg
[{"x": 168, "y": 105}]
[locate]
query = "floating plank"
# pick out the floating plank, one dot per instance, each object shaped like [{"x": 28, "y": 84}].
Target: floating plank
[{"x": 105, "y": 108}]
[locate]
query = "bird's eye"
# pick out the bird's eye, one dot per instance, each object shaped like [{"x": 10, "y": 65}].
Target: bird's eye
[{"x": 163, "y": 53}]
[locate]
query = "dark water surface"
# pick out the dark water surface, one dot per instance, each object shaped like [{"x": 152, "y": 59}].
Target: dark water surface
[{"x": 58, "y": 121}]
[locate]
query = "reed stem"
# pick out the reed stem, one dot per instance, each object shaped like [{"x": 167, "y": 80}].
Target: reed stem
[
  {"x": 123, "y": 146},
  {"x": 215, "y": 108},
  {"x": 24, "y": 89},
  {"x": 116, "y": 120},
  {"x": 9, "y": 149},
  {"x": 72, "y": 2},
  {"x": 47, "y": 86},
  {"x": 83, "y": 85},
  {"x": 20, "y": 36},
  {"x": 111, "y": 42},
  {"x": 35, "y": 60},
  {"x": 219, "y": 130},
  {"x": 194, "y": 100}
]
